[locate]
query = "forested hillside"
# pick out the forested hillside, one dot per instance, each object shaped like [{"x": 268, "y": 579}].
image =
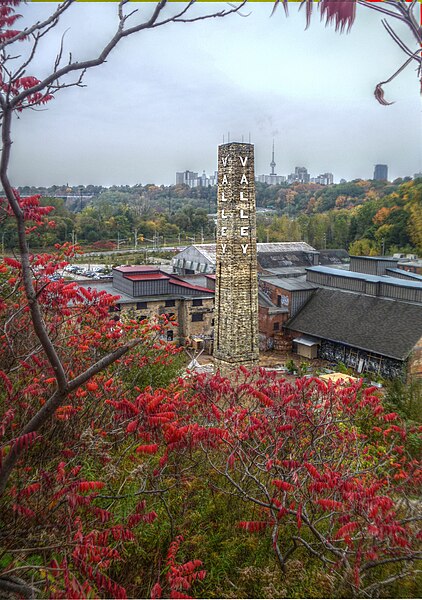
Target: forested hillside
[{"x": 364, "y": 217}]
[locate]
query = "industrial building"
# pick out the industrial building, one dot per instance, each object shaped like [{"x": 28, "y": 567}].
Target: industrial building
[
  {"x": 201, "y": 258},
  {"x": 369, "y": 318},
  {"x": 365, "y": 318},
  {"x": 147, "y": 292}
]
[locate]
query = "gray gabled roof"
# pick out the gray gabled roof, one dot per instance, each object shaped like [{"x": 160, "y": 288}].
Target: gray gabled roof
[
  {"x": 387, "y": 327},
  {"x": 266, "y": 250}
]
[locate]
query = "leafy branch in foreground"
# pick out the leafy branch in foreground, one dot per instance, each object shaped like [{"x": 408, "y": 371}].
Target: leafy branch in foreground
[{"x": 342, "y": 14}]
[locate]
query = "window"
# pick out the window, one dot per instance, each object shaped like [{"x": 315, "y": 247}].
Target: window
[
  {"x": 170, "y": 303},
  {"x": 276, "y": 326},
  {"x": 197, "y": 302},
  {"x": 140, "y": 305},
  {"x": 141, "y": 318},
  {"x": 170, "y": 336},
  {"x": 212, "y": 322},
  {"x": 197, "y": 317}
]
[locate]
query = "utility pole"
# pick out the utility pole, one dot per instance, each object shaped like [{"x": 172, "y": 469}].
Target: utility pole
[{"x": 136, "y": 238}]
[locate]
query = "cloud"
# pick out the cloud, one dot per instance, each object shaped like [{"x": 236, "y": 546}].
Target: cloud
[{"x": 164, "y": 100}]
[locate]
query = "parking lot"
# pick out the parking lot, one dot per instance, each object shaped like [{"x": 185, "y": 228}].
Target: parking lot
[{"x": 84, "y": 271}]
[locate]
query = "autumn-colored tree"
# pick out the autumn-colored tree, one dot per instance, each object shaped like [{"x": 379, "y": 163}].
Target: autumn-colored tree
[
  {"x": 327, "y": 469},
  {"x": 77, "y": 432},
  {"x": 56, "y": 337},
  {"x": 342, "y": 14}
]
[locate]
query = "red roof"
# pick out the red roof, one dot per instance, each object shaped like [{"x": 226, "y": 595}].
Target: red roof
[
  {"x": 198, "y": 288},
  {"x": 136, "y": 269},
  {"x": 147, "y": 276}
]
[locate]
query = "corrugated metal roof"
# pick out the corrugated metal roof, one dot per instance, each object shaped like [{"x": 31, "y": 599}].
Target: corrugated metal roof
[
  {"x": 275, "y": 247},
  {"x": 378, "y": 258},
  {"x": 365, "y": 277},
  {"x": 135, "y": 268},
  {"x": 285, "y": 271},
  {"x": 123, "y": 298},
  {"x": 190, "y": 286},
  {"x": 406, "y": 274},
  {"x": 147, "y": 277},
  {"x": 307, "y": 341},
  {"x": 209, "y": 252},
  {"x": 289, "y": 283}
]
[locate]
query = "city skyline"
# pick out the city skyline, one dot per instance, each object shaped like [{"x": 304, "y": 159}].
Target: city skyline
[{"x": 149, "y": 112}]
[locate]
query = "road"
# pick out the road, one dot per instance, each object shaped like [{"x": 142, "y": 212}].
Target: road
[{"x": 135, "y": 251}]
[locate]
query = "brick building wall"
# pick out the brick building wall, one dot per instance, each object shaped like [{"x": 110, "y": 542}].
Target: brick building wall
[
  {"x": 270, "y": 325},
  {"x": 194, "y": 316}
]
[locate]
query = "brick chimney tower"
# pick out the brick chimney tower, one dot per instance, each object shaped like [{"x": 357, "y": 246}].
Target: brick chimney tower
[{"x": 236, "y": 292}]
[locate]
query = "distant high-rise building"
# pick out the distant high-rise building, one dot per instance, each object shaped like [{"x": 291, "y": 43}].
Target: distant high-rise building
[
  {"x": 300, "y": 175},
  {"x": 381, "y": 172},
  {"x": 187, "y": 178},
  {"x": 194, "y": 180},
  {"x": 271, "y": 179},
  {"x": 324, "y": 179},
  {"x": 213, "y": 178}
]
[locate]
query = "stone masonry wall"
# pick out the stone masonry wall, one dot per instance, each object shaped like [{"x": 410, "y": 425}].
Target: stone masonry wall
[{"x": 236, "y": 301}]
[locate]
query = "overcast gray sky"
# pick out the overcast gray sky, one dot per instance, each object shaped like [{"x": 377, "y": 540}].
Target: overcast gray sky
[{"x": 166, "y": 97}]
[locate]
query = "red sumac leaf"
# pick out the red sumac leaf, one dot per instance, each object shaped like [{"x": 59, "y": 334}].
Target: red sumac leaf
[
  {"x": 390, "y": 417},
  {"x": 329, "y": 504},
  {"x": 30, "y": 489},
  {"x": 312, "y": 471},
  {"x": 85, "y": 486},
  {"x": 253, "y": 526},
  {"x": 283, "y": 485},
  {"x": 11, "y": 262},
  {"x": 132, "y": 426},
  {"x": 24, "y": 441},
  {"x": 156, "y": 592},
  {"x": 23, "y": 511},
  {"x": 147, "y": 449},
  {"x": 299, "y": 516},
  {"x": 7, "y": 381},
  {"x": 346, "y": 529}
]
